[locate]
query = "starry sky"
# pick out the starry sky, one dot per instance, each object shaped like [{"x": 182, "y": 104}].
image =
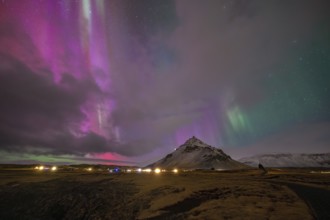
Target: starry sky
[{"x": 125, "y": 82}]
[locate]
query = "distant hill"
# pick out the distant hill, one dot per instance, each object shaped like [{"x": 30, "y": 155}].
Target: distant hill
[
  {"x": 195, "y": 154},
  {"x": 288, "y": 160}
]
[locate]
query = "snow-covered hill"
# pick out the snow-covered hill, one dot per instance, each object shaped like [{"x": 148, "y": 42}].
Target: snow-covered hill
[
  {"x": 289, "y": 160},
  {"x": 195, "y": 154}
]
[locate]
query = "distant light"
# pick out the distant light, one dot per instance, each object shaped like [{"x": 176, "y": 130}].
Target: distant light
[
  {"x": 41, "y": 168},
  {"x": 89, "y": 169},
  {"x": 163, "y": 170},
  {"x": 36, "y": 168},
  {"x": 157, "y": 170},
  {"x": 322, "y": 172},
  {"x": 54, "y": 168},
  {"x": 148, "y": 170},
  {"x": 175, "y": 171},
  {"x": 139, "y": 170},
  {"x": 128, "y": 170}
]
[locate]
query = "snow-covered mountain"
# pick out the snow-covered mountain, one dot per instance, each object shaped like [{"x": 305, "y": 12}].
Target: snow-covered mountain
[
  {"x": 288, "y": 160},
  {"x": 195, "y": 154}
]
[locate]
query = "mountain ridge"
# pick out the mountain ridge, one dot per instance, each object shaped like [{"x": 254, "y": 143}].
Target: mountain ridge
[{"x": 288, "y": 160}]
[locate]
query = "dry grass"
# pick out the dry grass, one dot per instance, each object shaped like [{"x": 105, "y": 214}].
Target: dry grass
[{"x": 187, "y": 195}]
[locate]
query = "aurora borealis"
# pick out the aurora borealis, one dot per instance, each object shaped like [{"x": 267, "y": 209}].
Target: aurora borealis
[{"x": 127, "y": 81}]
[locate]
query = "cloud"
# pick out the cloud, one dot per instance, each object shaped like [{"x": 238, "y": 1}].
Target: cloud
[
  {"x": 225, "y": 44},
  {"x": 39, "y": 116},
  {"x": 182, "y": 71},
  {"x": 222, "y": 50},
  {"x": 302, "y": 138},
  {"x": 37, "y": 112}
]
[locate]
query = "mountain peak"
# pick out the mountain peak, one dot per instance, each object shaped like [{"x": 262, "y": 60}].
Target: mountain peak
[
  {"x": 194, "y": 141},
  {"x": 195, "y": 154}
]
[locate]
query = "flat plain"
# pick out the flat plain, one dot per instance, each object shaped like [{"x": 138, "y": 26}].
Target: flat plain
[{"x": 243, "y": 194}]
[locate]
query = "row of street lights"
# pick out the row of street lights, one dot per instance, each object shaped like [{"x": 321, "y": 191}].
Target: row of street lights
[{"x": 53, "y": 168}]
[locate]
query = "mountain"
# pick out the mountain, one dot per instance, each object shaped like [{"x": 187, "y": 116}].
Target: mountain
[
  {"x": 195, "y": 154},
  {"x": 288, "y": 160}
]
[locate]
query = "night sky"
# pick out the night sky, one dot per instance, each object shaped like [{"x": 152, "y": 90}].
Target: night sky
[{"x": 127, "y": 81}]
